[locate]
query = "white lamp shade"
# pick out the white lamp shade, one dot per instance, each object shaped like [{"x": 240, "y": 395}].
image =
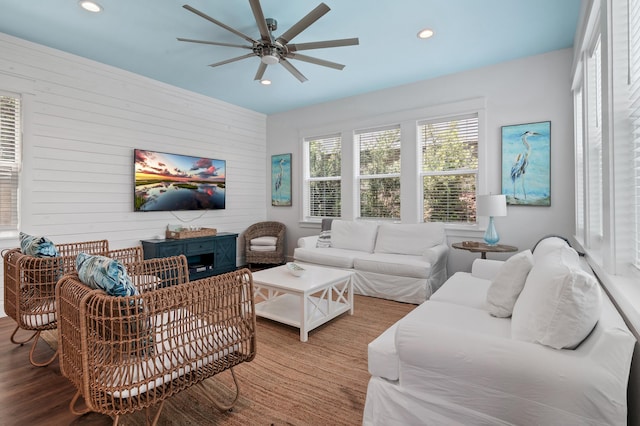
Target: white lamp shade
[{"x": 491, "y": 205}]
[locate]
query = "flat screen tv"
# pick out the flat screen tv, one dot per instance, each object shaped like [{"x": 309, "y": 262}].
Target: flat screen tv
[{"x": 167, "y": 182}]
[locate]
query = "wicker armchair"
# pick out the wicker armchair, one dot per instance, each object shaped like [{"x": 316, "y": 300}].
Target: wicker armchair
[
  {"x": 125, "y": 354},
  {"x": 265, "y": 229},
  {"x": 29, "y": 288}
]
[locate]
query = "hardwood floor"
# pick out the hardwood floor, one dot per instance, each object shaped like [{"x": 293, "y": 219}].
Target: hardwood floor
[{"x": 35, "y": 395}]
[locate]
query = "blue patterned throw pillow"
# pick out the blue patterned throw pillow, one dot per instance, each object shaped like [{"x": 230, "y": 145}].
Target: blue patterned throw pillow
[
  {"x": 104, "y": 273},
  {"x": 37, "y": 246}
]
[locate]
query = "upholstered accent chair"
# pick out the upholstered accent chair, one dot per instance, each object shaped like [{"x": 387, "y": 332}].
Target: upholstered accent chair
[{"x": 264, "y": 243}]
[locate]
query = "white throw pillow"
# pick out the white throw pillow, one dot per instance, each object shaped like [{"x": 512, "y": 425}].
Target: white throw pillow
[
  {"x": 508, "y": 283},
  {"x": 354, "y": 235},
  {"x": 264, "y": 241},
  {"x": 413, "y": 239},
  {"x": 548, "y": 245},
  {"x": 560, "y": 303}
]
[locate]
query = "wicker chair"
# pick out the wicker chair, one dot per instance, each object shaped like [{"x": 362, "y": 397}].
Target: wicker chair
[
  {"x": 125, "y": 354},
  {"x": 265, "y": 229},
  {"x": 29, "y": 288}
]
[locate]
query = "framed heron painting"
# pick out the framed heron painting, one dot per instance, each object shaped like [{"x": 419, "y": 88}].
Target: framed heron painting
[
  {"x": 526, "y": 164},
  {"x": 281, "y": 180}
]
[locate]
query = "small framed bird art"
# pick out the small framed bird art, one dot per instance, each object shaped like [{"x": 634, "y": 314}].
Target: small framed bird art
[
  {"x": 281, "y": 180},
  {"x": 526, "y": 164}
]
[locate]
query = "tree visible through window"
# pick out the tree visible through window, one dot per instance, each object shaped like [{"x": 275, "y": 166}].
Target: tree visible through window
[
  {"x": 9, "y": 162},
  {"x": 449, "y": 169},
  {"x": 322, "y": 183},
  {"x": 379, "y": 172}
]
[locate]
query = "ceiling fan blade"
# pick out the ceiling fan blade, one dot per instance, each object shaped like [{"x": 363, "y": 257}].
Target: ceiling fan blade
[
  {"x": 220, "y": 24},
  {"x": 261, "y": 69},
  {"x": 302, "y": 24},
  {"x": 228, "y": 61},
  {"x": 323, "y": 44},
  {"x": 316, "y": 61},
  {"x": 297, "y": 74},
  {"x": 265, "y": 35},
  {"x": 215, "y": 43}
]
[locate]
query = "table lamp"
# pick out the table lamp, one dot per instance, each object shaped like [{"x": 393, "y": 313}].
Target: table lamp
[{"x": 491, "y": 205}]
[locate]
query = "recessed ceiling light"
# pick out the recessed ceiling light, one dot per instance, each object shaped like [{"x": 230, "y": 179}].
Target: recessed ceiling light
[
  {"x": 426, "y": 33},
  {"x": 265, "y": 82},
  {"x": 91, "y": 6}
]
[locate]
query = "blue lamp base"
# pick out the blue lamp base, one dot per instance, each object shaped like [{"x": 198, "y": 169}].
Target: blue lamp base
[{"x": 491, "y": 235}]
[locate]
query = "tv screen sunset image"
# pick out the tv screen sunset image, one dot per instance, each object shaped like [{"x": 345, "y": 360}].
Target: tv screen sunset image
[{"x": 165, "y": 182}]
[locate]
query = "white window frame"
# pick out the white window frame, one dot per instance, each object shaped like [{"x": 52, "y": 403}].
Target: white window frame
[{"x": 10, "y": 170}]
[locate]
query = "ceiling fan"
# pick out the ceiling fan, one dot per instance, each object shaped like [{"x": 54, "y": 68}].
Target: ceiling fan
[{"x": 272, "y": 50}]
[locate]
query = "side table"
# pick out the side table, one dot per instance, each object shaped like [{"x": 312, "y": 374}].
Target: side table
[{"x": 484, "y": 248}]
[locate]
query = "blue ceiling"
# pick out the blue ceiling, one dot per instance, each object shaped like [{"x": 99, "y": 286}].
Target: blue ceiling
[{"x": 140, "y": 36}]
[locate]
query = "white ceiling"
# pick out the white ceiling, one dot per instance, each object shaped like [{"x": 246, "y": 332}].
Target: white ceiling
[{"x": 140, "y": 36}]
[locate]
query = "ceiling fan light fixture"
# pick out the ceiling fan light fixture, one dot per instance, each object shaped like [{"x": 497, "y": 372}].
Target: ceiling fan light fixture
[
  {"x": 425, "y": 33},
  {"x": 265, "y": 82},
  {"x": 270, "y": 57},
  {"x": 90, "y": 6}
]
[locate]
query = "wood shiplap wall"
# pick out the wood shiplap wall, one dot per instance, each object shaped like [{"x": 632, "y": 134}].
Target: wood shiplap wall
[{"x": 82, "y": 121}]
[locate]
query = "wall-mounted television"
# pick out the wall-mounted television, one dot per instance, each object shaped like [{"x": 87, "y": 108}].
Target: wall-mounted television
[{"x": 167, "y": 182}]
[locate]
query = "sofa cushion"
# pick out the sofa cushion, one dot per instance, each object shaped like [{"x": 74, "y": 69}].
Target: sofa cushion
[
  {"x": 337, "y": 258},
  {"x": 508, "y": 283},
  {"x": 411, "y": 239},
  {"x": 353, "y": 235},
  {"x": 560, "y": 303},
  {"x": 393, "y": 264},
  {"x": 462, "y": 288},
  {"x": 548, "y": 245}
]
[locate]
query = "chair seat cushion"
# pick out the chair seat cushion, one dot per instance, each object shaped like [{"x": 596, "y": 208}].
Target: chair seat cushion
[
  {"x": 264, "y": 241},
  {"x": 262, "y": 248}
]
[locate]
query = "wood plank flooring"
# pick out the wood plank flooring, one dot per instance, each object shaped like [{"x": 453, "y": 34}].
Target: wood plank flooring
[{"x": 34, "y": 395}]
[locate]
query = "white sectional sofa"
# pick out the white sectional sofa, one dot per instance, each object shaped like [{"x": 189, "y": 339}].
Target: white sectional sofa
[
  {"x": 450, "y": 362},
  {"x": 402, "y": 262}
]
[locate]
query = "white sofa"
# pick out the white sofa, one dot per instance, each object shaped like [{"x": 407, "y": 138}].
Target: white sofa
[
  {"x": 402, "y": 262},
  {"x": 449, "y": 362}
]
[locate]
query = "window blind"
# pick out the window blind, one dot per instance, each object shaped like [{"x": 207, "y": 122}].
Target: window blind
[
  {"x": 10, "y": 138},
  {"x": 379, "y": 172},
  {"x": 594, "y": 148},
  {"x": 449, "y": 170},
  {"x": 579, "y": 162},
  {"x": 634, "y": 113},
  {"x": 323, "y": 176}
]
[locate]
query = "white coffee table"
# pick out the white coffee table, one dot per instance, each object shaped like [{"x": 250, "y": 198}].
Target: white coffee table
[{"x": 305, "y": 302}]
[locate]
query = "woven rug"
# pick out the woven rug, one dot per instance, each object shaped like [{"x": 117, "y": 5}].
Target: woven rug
[{"x": 320, "y": 382}]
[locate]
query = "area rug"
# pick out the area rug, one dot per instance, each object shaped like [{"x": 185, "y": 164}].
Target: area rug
[{"x": 320, "y": 382}]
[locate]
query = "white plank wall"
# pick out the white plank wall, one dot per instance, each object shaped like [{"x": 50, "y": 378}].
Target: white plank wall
[{"x": 82, "y": 121}]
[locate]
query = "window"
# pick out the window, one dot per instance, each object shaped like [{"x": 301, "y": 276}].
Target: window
[
  {"x": 322, "y": 181},
  {"x": 10, "y": 138},
  {"x": 579, "y": 163},
  {"x": 379, "y": 172},
  {"x": 449, "y": 169}
]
